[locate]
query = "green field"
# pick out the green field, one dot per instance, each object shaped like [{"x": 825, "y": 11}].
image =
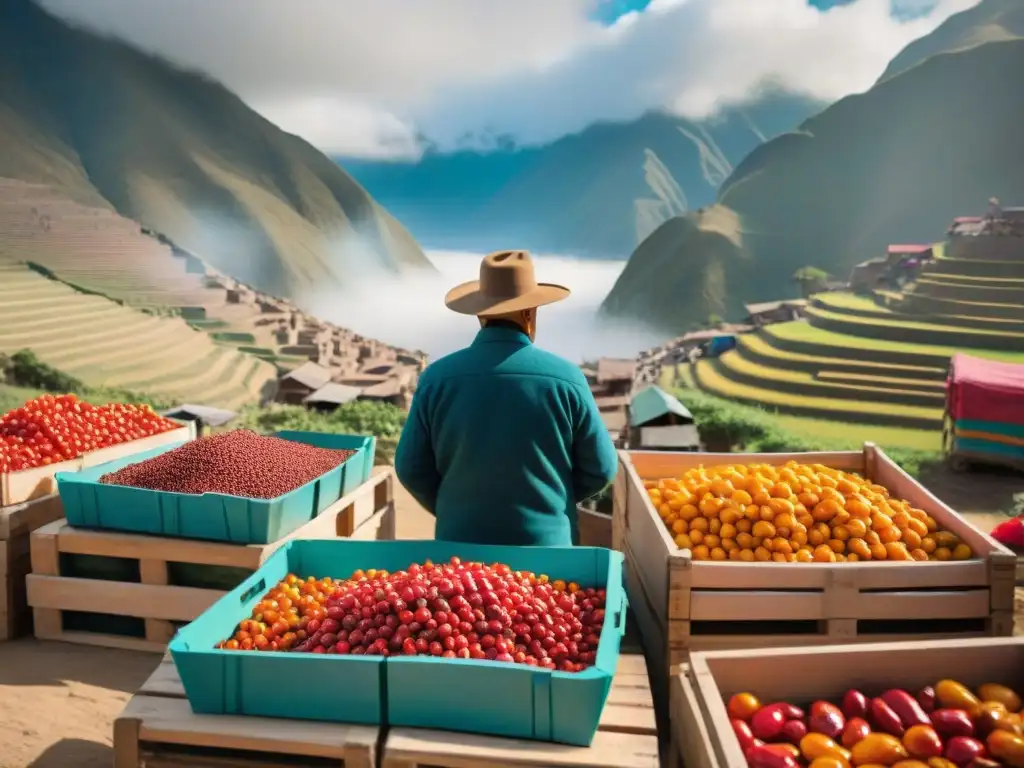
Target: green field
[
  {"x": 108, "y": 345},
  {"x": 861, "y": 369}
]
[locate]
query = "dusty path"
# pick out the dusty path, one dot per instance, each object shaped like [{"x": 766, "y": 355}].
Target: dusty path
[{"x": 58, "y": 701}]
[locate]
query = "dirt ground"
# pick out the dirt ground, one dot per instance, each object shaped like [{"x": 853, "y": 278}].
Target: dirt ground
[{"x": 58, "y": 701}]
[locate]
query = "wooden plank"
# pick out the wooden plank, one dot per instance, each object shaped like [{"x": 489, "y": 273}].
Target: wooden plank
[
  {"x": 119, "y": 598},
  {"x": 690, "y": 739},
  {"x": 406, "y": 747},
  {"x": 20, "y": 519},
  {"x": 161, "y": 720}
]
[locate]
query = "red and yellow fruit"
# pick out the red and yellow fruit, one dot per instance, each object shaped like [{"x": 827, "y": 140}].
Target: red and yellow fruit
[
  {"x": 450, "y": 610},
  {"x": 970, "y": 729}
]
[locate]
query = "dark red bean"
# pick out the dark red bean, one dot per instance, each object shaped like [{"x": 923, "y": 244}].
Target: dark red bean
[{"x": 238, "y": 463}]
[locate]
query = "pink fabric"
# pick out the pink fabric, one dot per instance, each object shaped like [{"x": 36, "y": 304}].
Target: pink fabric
[{"x": 985, "y": 390}]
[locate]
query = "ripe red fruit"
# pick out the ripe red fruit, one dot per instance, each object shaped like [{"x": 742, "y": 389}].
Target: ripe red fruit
[
  {"x": 54, "y": 428},
  {"x": 451, "y": 610}
]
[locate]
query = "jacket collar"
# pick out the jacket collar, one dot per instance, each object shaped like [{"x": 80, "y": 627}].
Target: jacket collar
[{"x": 496, "y": 334}]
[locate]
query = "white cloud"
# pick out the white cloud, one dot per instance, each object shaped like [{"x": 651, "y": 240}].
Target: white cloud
[{"x": 363, "y": 78}]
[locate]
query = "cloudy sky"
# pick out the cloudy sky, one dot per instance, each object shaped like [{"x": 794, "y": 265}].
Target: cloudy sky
[{"x": 366, "y": 79}]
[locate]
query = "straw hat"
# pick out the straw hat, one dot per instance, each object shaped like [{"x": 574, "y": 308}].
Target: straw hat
[{"x": 507, "y": 284}]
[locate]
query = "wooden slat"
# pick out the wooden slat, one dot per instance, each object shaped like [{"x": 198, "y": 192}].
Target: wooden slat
[
  {"x": 680, "y": 591},
  {"x": 20, "y": 519},
  {"x": 171, "y": 721},
  {"x": 119, "y": 598},
  {"x": 413, "y": 747}
]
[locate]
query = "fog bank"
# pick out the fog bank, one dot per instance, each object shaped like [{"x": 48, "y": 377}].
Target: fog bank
[{"x": 410, "y": 312}]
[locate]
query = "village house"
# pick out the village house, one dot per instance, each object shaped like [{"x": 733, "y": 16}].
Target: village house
[
  {"x": 614, "y": 376},
  {"x": 770, "y": 312},
  {"x": 330, "y": 396},
  {"x": 295, "y": 386}
]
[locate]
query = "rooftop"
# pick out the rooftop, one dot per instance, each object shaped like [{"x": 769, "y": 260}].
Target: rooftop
[
  {"x": 333, "y": 394},
  {"x": 771, "y": 306},
  {"x": 309, "y": 375},
  {"x": 214, "y": 417},
  {"x": 615, "y": 369},
  {"x": 909, "y": 249},
  {"x": 653, "y": 403}
]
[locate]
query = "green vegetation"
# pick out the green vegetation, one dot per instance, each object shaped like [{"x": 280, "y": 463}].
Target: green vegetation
[
  {"x": 810, "y": 279},
  {"x": 754, "y": 430},
  {"x": 75, "y": 101},
  {"x": 235, "y": 337},
  {"x": 382, "y": 420},
  {"x": 808, "y": 333},
  {"x": 105, "y": 345},
  {"x": 23, "y": 377}
]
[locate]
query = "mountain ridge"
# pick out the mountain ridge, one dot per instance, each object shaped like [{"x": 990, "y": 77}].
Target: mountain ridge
[
  {"x": 894, "y": 164},
  {"x": 578, "y": 194},
  {"x": 182, "y": 154}
]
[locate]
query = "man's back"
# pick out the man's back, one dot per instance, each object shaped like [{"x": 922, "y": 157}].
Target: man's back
[{"x": 502, "y": 441}]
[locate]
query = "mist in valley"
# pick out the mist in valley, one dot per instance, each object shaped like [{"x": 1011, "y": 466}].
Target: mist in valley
[{"x": 409, "y": 310}]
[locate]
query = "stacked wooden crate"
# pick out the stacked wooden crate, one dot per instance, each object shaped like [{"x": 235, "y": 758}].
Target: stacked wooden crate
[
  {"x": 683, "y": 605},
  {"x": 133, "y": 591}
]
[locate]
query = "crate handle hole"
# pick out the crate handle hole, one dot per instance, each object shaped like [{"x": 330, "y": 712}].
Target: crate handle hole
[{"x": 258, "y": 588}]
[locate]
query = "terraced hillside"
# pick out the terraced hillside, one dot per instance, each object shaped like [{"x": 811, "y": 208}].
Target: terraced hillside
[
  {"x": 878, "y": 359},
  {"x": 95, "y": 248},
  {"x": 106, "y": 344}
]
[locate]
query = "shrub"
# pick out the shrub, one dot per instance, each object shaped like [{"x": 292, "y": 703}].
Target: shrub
[{"x": 727, "y": 426}]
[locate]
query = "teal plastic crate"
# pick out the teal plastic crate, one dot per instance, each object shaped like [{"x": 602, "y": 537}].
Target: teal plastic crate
[
  {"x": 88, "y": 503},
  {"x": 487, "y": 697}
]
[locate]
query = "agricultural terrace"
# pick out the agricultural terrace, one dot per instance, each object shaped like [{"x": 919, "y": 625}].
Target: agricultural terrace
[
  {"x": 94, "y": 249},
  {"x": 105, "y": 344},
  {"x": 878, "y": 359}
]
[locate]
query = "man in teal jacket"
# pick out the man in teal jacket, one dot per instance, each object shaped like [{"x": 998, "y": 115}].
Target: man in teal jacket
[{"x": 504, "y": 439}]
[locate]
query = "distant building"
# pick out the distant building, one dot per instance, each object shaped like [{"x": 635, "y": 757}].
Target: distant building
[
  {"x": 771, "y": 312},
  {"x": 295, "y": 386},
  {"x": 614, "y": 376},
  {"x": 330, "y": 396},
  {"x": 658, "y": 421},
  {"x": 389, "y": 391},
  {"x": 204, "y": 416}
]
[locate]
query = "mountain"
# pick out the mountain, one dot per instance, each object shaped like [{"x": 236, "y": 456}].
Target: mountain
[
  {"x": 183, "y": 155},
  {"x": 595, "y": 193},
  {"x": 894, "y": 164},
  {"x": 988, "y": 22}
]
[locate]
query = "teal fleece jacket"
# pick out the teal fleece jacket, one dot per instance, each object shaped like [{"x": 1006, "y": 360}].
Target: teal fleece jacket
[{"x": 502, "y": 440}]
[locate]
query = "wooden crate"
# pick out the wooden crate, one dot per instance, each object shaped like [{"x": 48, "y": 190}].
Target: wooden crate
[
  {"x": 157, "y": 729},
  {"x": 151, "y": 585},
  {"x": 704, "y": 738},
  {"x": 16, "y": 523},
  {"x": 35, "y": 483},
  {"x": 703, "y": 605},
  {"x": 626, "y": 737}
]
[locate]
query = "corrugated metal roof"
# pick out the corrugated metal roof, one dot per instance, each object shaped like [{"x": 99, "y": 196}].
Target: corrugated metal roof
[
  {"x": 310, "y": 375},
  {"x": 652, "y": 403},
  {"x": 214, "y": 417},
  {"x": 336, "y": 394}
]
